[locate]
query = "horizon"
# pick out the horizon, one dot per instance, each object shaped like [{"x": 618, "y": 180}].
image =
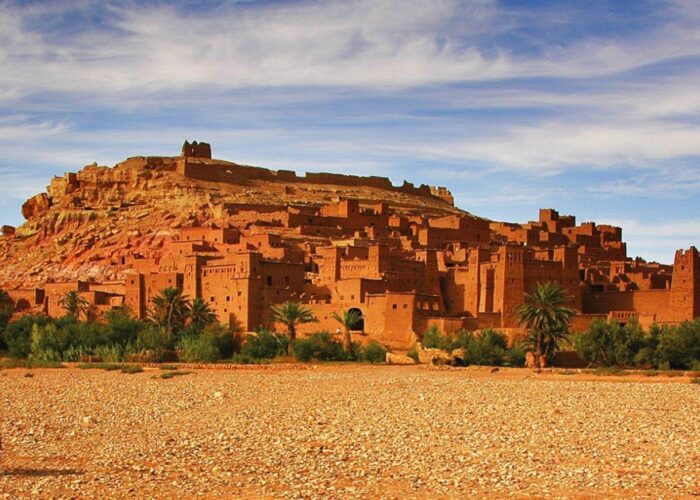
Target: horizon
[{"x": 588, "y": 108}]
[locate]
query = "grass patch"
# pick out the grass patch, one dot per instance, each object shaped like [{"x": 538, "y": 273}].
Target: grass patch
[
  {"x": 674, "y": 373},
  {"x": 131, "y": 369},
  {"x": 695, "y": 380},
  {"x": 168, "y": 367},
  {"x": 99, "y": 366},
  {"x": 44, "y": 364},
  {"x": 12, "y": 363},
  {"x": 651, "y": 373},
  {"x": 173, "y": 374},
  {"x": 609, "y": 371}
]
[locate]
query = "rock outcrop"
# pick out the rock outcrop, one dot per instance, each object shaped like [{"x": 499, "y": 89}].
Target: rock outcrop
[{"x": 87, "y": 222}]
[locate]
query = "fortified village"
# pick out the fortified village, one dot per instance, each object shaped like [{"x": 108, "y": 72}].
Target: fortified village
[{"x": 245, "y": 238}]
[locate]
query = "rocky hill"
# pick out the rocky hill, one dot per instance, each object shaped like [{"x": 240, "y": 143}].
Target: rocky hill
[{"x": 86, "y": 221}]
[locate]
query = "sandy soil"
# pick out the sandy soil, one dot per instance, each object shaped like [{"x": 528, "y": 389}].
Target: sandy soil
[{"x": 347, "y": 431}]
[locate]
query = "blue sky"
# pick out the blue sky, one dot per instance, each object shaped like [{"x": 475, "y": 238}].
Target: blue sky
[{"x": 590, "y": 107}]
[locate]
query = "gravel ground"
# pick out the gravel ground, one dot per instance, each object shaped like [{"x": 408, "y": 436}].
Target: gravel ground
[{"x": 346, "y": 431}]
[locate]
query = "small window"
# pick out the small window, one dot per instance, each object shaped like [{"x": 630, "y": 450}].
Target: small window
[
  {"x": 212, "y": 299},
  {"x": 228, "y": 299},
  {"x": 239, "y": 294},
  {"x": 405, "y": 306},
  {"x": 394, "y": 306},
  {"x": 286, "y": 280},
  {"x": 269, "y": 281}
]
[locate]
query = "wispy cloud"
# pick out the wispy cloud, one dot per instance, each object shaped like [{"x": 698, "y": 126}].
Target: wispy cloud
[{"x": 505, "y": 105}]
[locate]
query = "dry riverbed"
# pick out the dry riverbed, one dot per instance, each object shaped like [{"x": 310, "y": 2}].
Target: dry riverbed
[{"x": 347, "y": 431}]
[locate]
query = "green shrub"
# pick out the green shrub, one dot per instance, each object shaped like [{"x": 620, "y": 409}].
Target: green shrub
[
  {"x": 611, "y": 344},
  {"x": 151, "y": 343},
  {"x": 99, "y": 366},
  {"x": 318, "y": 346},
  {"x": 242, "y": 359},
  {"x": 5, "y": 315},
  {"x": 110, "y": 353},
  {"x": 679, "y": 346},
  {"x": 131, "y": 369},
  {"x": 75, "y": 353},
  {"x": 12, "y": 363},
  {"x": 487, "y": 347},
  {"x": 373, "y": 353},
  {"x": 168, "y": 367},
  {"x": 41, "y": 363},
  {"x": 515, "y": 356},
  {"x": 265, "y": 345},
  {"x": 173, "y": 374},
  {"x": 201, "y": 349},
  {"x": 121, "y": 327},
  {"x": 413, "y": 353},
  {"x": 433, "y": 339},
  {"x": 18, "y": 335}
]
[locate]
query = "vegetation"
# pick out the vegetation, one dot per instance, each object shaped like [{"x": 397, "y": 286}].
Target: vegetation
[
  {"x": 5, "y": 315},
  {"x": 611, "y": 344},
  {"x": 170, "y": 309},
  {"x": 348, "y": 320},
  {"x": 74, "y": 304},
  {"x": 488, "y": 347},
  {"x": 173, "y": 374},
  {"x": 373, "y": 353},
  {"x": 546, "y": 315},
  {"x": 292, "y": 314},
  {"x": 265, "y": 345},
  {"x": 318, "y": 346}
]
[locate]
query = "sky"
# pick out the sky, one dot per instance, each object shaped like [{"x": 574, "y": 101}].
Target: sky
[{"x": 589, "y": 107}]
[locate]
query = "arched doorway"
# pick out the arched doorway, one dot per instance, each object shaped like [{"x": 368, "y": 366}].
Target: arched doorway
[{"x": 361, "y": 324}]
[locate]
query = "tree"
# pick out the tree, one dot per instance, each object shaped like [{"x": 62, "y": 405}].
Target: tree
[
  {"x": 74, "y": 304},
  {"x": 349, "y": 320},
  {"x": 170, "y": 309},
  {"x": 292, "y": 314},
  {"x": 201, "y": 314},
  {"x": 546, "y": 315}
]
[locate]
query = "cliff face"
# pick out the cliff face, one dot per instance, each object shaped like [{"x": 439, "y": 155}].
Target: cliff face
[{"x": 87, "y": 221}]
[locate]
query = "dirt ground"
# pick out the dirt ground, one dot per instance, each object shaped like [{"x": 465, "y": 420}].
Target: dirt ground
[{"x": 347, "y": 431}]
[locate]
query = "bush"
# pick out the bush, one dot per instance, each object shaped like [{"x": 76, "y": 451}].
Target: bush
[
  {"x": 515, "y": 356},
  {"x": 433, "y": 339},
  {"x": 679, "y": 346},
  {"x": 485, "y": 348},
  {"x": 18, "y": 335},
  {"x": 201, "y": 349},
  {"x": 5, "y": 315},
  {"x": 121, "y": 328},
  {"x": 151, "y": 342},
  {"x": 173, "y": 374},
  {"x": 242, "y": 359},
  {"x": 318, "y": 346},
  {"x": 611, "y": 344},
  {"x": 413, "y": 353},
  {"x": 99, "y": 366},
  {"x": 265, "y": 345},
  {"x": 373, "y": 353},
  {"x": 49, "y": 342},
  {"x": 131, "y": 369},
  {"x": 110, "y": 353}
]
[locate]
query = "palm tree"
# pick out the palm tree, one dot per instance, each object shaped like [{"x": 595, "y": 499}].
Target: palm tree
[
  {"x": 170, "y": 309},
  {"x": 292, "y": 314},
  {"x": 74, "y": 304},
  {"x": 349, "y": 320},
  {"x": 201, "y": 314},
  {"x": 546, "y": 315}
]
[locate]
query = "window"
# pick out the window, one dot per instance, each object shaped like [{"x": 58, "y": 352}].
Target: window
[
  {"x": 405, "y": 306},
  {"x": 213, "y": 299},
  {"x": 286, "y": 280},
  {"x": 228, "y": 299},
  {"x": 269, "y": 281},
  {"x": 239, "y": 294},
  {"x": 394, "y": 306}
]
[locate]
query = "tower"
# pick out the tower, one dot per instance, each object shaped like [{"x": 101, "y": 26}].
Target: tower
[{"x": 684, "y": 302}]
